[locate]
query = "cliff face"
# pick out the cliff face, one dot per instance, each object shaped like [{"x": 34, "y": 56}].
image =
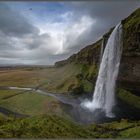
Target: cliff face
[
  {"x": 87, "y": 55},
  {"x": 129, "y": 75}
]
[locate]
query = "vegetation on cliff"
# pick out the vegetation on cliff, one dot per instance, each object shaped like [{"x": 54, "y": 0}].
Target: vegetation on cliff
[
  {"x": 129, "y": 98},
  {"x": 52, "y": 126},
  {"x": 131, "y": 34}
]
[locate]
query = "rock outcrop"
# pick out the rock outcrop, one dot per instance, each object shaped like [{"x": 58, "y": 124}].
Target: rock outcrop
[
  {"x": 87, "y": 55},
  {"x": 129, "y": 76}
]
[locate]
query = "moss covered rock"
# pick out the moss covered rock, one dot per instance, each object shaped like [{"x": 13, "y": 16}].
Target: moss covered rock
[{"x": 129, "y": 76}]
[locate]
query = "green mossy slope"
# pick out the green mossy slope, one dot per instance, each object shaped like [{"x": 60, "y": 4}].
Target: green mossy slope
[
  {"x": 131, "y": 33},
  {"x": 129, "y": 98},
  {"x": 52, "y": 126}
]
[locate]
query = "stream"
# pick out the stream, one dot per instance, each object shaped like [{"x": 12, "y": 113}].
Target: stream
[{"x": 71, "y": 106}]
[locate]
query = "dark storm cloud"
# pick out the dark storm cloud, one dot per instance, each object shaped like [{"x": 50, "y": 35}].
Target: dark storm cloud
[
  {"x": 17, "y": 35},
  {"x": 82, "y": 23},
  {"x": 38, "y": 41},
  {"x": 105, "y": 9},
  {"x": 7, "y": 43},
  {"x": 106, "y": 14},
  {"x": 20, "y": 40},
  {"x": 13, "y": 24}
]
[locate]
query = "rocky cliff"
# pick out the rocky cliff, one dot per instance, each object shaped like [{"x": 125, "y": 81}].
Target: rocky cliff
[
  {"x": 129, "y": 76},
  {"x": 87, "y": 55}
]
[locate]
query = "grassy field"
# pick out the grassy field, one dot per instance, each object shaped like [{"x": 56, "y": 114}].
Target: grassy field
[
  {"x": 4, "y": 94},
  {"x": 29, "y": 103},
  {"x": 55, "y": 79},
  {"x": 51, "y": 79}
]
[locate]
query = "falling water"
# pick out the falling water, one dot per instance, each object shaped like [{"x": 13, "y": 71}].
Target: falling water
[
  {"x": 102, "y": 50},
  {"x": 104, "y": 94}
]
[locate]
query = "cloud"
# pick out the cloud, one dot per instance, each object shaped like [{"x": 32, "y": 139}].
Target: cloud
[
  {"x": 35, "y": 41},
  {"x": 21, "y": 41},
  {"x": 13, "y": 24},
  {"x": 102, "y": 15},
  {"x": 106, "y": 13},
  {"x": 76, "y": 32},
  {"x": 46, "y": 36}
]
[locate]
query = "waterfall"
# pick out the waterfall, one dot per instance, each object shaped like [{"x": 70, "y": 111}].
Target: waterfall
[
  {"x": 102, "y": 50},
  {"x": 104, "y": 93}
]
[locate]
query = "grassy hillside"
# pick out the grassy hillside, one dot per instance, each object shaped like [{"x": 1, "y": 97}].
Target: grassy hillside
[
  {"x": 129, "y": 98},
  {"x": 47, "y": 126}
]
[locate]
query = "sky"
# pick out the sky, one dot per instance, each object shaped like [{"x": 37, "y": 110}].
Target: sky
[{"x": 41, "y": 33}]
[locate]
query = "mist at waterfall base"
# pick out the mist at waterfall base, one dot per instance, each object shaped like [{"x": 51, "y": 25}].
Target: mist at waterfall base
[{"x": 104, "y": 93}]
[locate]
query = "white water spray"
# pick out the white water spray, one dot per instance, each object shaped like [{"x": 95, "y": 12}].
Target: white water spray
[{"x": 104, "y": 94}]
